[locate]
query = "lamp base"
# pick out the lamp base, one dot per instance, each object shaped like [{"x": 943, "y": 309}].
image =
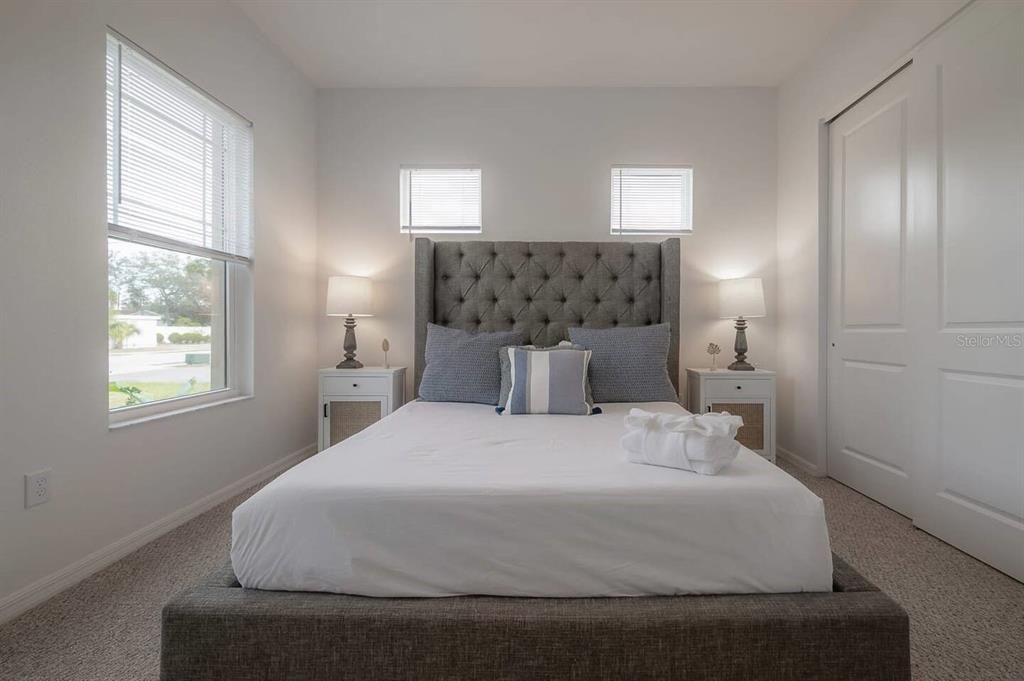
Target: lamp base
[
  {"x": 350, "y": 361},
  {"x": 741, "y": 363}
]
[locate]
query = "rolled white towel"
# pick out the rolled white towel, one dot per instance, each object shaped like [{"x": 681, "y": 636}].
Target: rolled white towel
[{"x": 702, "y": 443}]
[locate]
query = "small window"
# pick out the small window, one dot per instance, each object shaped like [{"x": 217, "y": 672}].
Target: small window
[
  {"x": 179, "y": 234},
  {"x": 651, "y": 200},
  {"x": 440, "y": 200}
]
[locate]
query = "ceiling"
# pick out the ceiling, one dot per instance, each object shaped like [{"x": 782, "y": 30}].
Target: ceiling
[{"x": 496, "y": 43}]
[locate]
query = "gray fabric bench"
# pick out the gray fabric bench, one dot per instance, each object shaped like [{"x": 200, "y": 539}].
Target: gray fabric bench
[{"x": 219, "y": 632}]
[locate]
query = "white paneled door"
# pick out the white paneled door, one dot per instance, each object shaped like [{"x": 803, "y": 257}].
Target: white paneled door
[
  {"x": 967, "y": 265},
  {"x": 869, "y": 352},
  {"x": 926, "y": 307}
]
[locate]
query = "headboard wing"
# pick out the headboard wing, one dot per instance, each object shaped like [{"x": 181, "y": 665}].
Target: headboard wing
[{"x": 541, "y": 288}]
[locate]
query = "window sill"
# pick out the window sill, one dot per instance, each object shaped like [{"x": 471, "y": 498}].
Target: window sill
[
  {"x": 126, "y": 419},
  {"x": 428, "y": 230},
  {"x": 652, "y": 232}
]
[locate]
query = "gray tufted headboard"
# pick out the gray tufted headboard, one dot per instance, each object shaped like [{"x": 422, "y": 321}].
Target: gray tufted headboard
[{"x": 541, "y": 288}]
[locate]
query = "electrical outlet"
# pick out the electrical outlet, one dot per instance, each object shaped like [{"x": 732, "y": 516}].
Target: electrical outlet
[{"x": 37, "y": 488}]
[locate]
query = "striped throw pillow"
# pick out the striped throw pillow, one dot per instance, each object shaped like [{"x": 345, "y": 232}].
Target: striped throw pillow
[{"x": 548, "y": 381}]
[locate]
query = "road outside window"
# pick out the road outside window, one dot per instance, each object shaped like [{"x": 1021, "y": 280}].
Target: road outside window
[{"x": 166, "y": 324}]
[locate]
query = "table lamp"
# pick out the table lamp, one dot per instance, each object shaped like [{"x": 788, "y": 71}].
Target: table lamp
[
  {"x": 349, "y": 297},
  {"x": 741, "y": 299}
]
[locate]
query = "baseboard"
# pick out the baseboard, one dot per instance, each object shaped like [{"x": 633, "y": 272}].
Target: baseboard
[
  {"x": 35, "y": 593},
  {"x": 800, "y": 462}
]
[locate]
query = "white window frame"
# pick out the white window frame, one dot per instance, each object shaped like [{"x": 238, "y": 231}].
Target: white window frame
[
  {"x": 404, "y": 195},
  {"x": 687, "y": 218},
  {"x": 238, "y": 303},
  {"x": 238, "y": 366}
]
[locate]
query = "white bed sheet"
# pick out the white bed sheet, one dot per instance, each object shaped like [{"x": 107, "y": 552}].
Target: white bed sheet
[{"x": 445, "y": 499}]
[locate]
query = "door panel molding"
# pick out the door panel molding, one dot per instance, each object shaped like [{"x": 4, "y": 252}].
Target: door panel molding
[
  {"x": 869, "y": 349},
  {"x": 966, "y": 258}
]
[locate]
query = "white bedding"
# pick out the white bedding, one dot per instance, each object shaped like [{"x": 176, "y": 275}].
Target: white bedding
[{"x": 445, "y": 499}]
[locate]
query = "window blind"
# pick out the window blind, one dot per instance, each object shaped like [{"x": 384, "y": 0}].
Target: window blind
[
  {"x": 440, "y": 199},
  {"x": 179, "y": 163},
  {"x": 651, "y": 200}
]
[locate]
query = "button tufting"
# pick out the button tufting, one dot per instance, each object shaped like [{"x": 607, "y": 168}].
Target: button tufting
[
  {"x": 444, "y": 277},
  {"x": 615, "y": 277},
  {"x": 529, "y": 299},
  {"x": 580, "y": 277},
  {"x": 564, "y": 299},
  {"x": 615, "y": 322},
  {"x": 631, "y": 300}
]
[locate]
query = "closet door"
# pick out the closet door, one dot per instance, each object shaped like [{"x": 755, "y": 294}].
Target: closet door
[
  {"x": 967, "y": 274},
  {"x": 869, "y": 445}
]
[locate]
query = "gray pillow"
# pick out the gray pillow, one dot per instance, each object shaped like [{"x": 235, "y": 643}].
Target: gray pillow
[
  {"x": 463, "y": 366},
  {"x": 506, "y": 369},
  {"x": 548, "y": 381},
  {"x": 629, "y": 364}
]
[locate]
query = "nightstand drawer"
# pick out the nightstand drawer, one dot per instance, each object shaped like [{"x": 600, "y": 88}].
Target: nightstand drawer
[
  {"x": 737, "y": 387},
  {"x": 356, "y": 385}
]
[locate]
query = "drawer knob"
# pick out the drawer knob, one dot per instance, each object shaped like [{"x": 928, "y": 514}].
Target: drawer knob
[
  {"x": 739, "y": 387},
  {"x": 355, "y": 385}
]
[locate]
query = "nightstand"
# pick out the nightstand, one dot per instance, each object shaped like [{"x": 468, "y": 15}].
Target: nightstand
[
  {"x": 749, "y": 394},
  {"x": 352, "y": 399}
]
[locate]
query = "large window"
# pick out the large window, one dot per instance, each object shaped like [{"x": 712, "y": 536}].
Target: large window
[
  {"x": 179, "y": 227},
  {"x": 433, "y": 200},
  {"x": 651, "y": 200}
]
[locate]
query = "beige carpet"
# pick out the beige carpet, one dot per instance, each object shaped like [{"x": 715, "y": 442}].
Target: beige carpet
[{"x": 967, "y": 620}]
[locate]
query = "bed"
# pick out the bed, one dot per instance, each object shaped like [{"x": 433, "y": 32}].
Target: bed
[
  {"x": 543, "y": 505},
  {"x": 538, "y": 530}
]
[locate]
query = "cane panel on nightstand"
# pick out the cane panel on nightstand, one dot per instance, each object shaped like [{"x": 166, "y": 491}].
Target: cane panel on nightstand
[
  {"x": 349, "y": 417},
  {"x": 752, "y": 433}
]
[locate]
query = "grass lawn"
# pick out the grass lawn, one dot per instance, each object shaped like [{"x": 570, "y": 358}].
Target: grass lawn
[{"x": 151, "y": 392}]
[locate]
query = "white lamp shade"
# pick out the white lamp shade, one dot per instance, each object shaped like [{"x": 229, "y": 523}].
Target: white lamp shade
[
  {"x": 348, "y": 296},
  {"x": 740, "y": 298}
]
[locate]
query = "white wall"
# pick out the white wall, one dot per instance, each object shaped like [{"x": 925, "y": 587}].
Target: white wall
[
  {"x": 108, "y": 484},
  {"x": 852, "y": 61},
  {"x": 546, "y": 156}
]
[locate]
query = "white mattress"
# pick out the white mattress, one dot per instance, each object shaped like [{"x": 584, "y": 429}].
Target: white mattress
[{"x": 445, "y": 499}]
